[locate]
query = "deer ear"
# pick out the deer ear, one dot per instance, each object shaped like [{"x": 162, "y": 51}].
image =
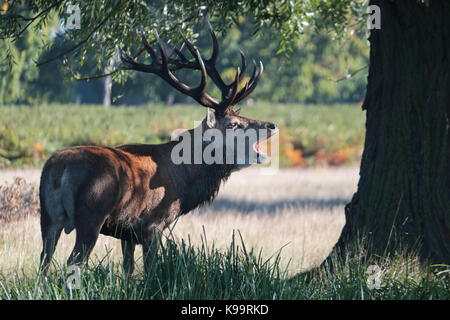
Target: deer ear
[{"x": 210, "y": 118}]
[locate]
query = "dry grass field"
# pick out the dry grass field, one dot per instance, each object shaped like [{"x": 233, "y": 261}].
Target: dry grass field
[{"x": 297, "y": 211}]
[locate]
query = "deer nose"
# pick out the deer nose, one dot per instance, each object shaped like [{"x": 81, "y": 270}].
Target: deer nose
[{"x": 271, "y": 126}]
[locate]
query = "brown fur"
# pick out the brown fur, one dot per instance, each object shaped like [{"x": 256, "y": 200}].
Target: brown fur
[{"x": 131, "y": 192}]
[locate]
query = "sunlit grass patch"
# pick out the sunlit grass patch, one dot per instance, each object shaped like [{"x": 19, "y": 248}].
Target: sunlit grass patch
[{"x": 182, "y": 271}]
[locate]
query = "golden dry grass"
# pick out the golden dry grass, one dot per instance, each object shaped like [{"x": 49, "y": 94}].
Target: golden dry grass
[{"x": 300, "y": 211}]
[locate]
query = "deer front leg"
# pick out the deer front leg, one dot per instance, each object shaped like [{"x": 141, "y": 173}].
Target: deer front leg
[{"x": 128, "y": 248}]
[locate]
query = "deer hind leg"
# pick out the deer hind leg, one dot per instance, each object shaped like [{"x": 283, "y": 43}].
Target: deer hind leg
[
  {"x": 51, "y": 227},
  {"x": 87, "y": 232},
  {"x": 128, "y": 248},
  {"x": 91, "y": 208},
  {"x": 87, "y": 228},
  {"x": 50, "y": 236},
  {"x": 84, "y": 243}
]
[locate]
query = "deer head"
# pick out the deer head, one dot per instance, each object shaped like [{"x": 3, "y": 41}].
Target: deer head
[{"x": 237, "y": 131}]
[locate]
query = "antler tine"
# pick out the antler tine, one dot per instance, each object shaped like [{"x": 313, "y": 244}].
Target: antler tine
[
  {"x": 215, "y": 53},
  {"x": 227, "y": 90},
  {"x": 177, "y": 83},
  {"x": 238, "y": 80},
  {"x": 181, "y": 49},
  {"x": 252, "y": 83},
  {"x": 203, "y": 70},
  {"x": 132, "y": 64},
  {"x": 149, "y": 48},
  {"x": 189, "y": 45},
  {"x": 183, "y": 62},
  {"x": 229, "y": 100},
  {"x": 164, "y": 66},
  {"x": 126, "y": 58},
  {"x": 244, "y": 65},
  {"x": 160, "y": 66},
  {"x": 179, "y": 53},
  {"x": 210, "y": 65}
]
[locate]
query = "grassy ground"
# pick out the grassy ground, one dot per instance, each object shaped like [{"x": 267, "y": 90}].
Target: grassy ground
[
  {"x": 257, "y": 240},
  {"x": 309, "y": 135},
  {"x": 253, "y": 242},
  {"x": 300, "y": 211}
]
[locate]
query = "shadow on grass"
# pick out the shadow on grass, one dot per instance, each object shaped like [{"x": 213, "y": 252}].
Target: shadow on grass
[{"x": 223, "y": 203}]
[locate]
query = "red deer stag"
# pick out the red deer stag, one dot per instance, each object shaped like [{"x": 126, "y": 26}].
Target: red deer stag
[{"x": 133, "y": 191}]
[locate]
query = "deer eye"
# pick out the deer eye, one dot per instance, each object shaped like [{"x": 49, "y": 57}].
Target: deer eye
[{"x": 232, "y": 125}]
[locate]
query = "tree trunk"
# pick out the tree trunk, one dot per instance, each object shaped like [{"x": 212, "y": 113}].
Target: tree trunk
[
  {"x": 403, "y": 193},
  {"x": 107, "y": 81},
  {"x": 107, "y": 86}
]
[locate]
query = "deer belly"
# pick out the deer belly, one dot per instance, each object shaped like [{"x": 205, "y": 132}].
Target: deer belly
[{"x": 123, "y": 230}]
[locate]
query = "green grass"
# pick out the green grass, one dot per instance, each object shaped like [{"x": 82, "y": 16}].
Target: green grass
[
  {"x": 29, "y": 135},
  {"x": 180, "y": 271}
]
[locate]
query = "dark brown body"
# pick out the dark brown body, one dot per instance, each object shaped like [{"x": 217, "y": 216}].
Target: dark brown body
[
  {"x": 131, "y": 192},
  {"x": 114, "y": 191}
]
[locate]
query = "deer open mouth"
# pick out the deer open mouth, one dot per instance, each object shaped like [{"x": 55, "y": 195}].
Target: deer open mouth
[
  {"x": 262, "y": 156},
  {"x": 259, "y": 153}
]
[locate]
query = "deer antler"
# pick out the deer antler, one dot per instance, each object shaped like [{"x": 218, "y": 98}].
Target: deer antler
[{"x": 160, "y": 66}]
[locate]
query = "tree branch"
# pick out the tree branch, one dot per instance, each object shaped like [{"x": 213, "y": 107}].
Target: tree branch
[
  {"x": 98, "y": 76},
  {"x": 31, "y": 20},
  {"x": 79, "y": 44},
  {"x": 352, "y": 74}
]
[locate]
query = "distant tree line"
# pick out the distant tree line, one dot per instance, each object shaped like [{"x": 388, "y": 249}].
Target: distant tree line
[{"x": 317, "y": 69}]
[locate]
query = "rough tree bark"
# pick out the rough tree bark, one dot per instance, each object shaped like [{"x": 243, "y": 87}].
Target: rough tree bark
[
  {"x": 107, "y": 86},
  {"x": 403, "y": 193}
]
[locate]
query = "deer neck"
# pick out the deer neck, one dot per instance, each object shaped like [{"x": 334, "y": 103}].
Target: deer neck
[{"x": 200, "y": 182}]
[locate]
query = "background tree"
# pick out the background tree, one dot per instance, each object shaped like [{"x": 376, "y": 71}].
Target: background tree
[
  {"x": 15, "y": 85},
  {"x": 403, "y": 192},
  {"x": 404, "y": 188},
  {"x": 316, "y": 68}
]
